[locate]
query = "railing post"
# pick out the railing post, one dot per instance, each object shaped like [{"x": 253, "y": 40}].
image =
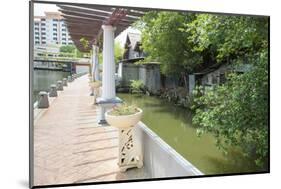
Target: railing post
[
  {"x": 43, "y": 101},
  {"x": 59, "y": 86},
  {"x": 64, "y": 82},
  {"x": 53, "y": 91}
]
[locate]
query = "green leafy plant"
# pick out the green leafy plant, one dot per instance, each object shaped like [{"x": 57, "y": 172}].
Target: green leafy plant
[
  {"x": 84, "y": 42},
  {"x": 136, "y": 86},
  {"x": 124, "y": 109},
  {"x": 236, "y": 113}
]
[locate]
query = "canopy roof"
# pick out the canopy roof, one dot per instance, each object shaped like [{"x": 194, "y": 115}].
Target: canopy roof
[{"x": 85, "y": 21}]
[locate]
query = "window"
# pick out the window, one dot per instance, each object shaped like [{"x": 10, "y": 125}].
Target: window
[
  {"x": 64, "y": 43},
  {"x": 54, "y": 29},
  {"x": 55, "y": 20},
  {"x": 43, "y": 24},
  {"x": 43, "y": 38},
  {"x": 43, "y": 33},
  {"x": 63, "y": 29},
  {"x": 36, "y": 23},
  {"x": 43, "y": 19},
  {"x": 43, "y": 42},
  {"x": 55, "y": 34},
  {"x": 43, "y": 29},
  {"x": 37, "y": 42},
  {"x": 64, "y": 39},
  {"x": 55, "y": 38},
  {"x": 63, "y": 34},
  {"x": 36, "y": 33},
  {"x": 36, "y": 37},
  {"x": 55, "y": 25}
]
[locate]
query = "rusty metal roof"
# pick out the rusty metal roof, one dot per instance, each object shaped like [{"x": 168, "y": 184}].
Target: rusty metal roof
[{"x": 85, "y": 21}]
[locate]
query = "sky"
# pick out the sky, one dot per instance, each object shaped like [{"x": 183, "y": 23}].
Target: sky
[{"x": 39, "y": 10}]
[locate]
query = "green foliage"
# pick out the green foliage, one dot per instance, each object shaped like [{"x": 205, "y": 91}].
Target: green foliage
[
  {"x": 124, "y": 109},
  {"x": 236, "y": 113},
  {"x": 227, "y": 37},
  {"x": 118, "y": 52},
  {"x": 165, "y": 42},
  {"x": 84, "y": 42},
  {"x": 67, "y": 49},
  {"x": 136, "y": 86}
]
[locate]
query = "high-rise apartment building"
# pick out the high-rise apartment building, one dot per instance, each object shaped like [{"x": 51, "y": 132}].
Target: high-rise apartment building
[{"x": 50, "y": 29}]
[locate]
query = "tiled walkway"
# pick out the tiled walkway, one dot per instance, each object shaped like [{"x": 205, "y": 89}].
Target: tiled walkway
[{"x": 70, "y": 147}]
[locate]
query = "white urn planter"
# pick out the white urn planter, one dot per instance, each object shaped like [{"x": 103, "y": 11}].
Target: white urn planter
[
  {"x": 95, "y": 85},
  {"x": 130, "y": 154}
]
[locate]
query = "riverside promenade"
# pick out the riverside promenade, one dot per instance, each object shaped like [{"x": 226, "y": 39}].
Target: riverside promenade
[{"x": 69, "y": 145}]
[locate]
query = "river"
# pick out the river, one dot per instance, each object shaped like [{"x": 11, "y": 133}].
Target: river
[
  {"x": 42, "y": 79},
  {"x": 173, "y": 125}
]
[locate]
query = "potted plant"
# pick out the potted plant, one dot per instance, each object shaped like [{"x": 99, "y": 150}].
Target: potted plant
[
  {"x": 95, "y": 85},
  {"x": 123, "y": 116}
]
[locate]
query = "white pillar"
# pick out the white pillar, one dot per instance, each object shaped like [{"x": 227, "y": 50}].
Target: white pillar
[
  {"x": 95, "y": 63},
  {"x": 108, "y": 75}
]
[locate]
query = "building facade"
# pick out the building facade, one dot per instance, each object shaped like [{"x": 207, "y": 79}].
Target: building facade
[
  {"x": 133, "y": 50},
  {"x": 50, "y": 29}
]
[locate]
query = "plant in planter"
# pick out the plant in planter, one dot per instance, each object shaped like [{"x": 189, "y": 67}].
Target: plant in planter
[
  {"x": 125, "y": 117},
  {"x": 95, "y": 85}
]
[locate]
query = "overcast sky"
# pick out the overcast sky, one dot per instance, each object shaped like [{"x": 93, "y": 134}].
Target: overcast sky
[{"x": 40, "y": 8}]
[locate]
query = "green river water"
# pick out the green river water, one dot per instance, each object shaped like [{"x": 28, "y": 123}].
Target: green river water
[{"x": 173, "y": 125}]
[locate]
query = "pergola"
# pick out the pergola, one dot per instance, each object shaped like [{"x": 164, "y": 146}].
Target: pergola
[
  {"x": 86, "y": 21},
  {"x": 99, "y": 25}
]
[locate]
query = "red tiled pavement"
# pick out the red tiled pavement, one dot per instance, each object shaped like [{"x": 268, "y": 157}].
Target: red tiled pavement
[{"x": 70, "y": 147}]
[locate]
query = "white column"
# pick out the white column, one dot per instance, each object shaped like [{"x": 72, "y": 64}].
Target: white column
[
  {"x": 108, "y": 75},
  {"x": 95, "y": 63}
]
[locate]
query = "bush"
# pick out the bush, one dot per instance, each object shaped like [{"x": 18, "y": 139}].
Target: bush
[
  {"x": 236, "y": 113},
  {"x": 136, "y": 86}
]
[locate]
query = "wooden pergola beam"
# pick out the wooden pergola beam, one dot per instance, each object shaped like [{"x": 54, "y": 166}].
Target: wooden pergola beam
[{"x": 86, "y": 21}]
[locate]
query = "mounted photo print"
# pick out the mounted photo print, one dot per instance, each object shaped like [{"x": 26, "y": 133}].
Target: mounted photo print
[{"x": 122, "y": 94}]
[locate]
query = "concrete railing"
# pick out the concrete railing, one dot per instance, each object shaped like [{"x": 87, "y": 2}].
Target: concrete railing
[{"x": 161, "y": 160}]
